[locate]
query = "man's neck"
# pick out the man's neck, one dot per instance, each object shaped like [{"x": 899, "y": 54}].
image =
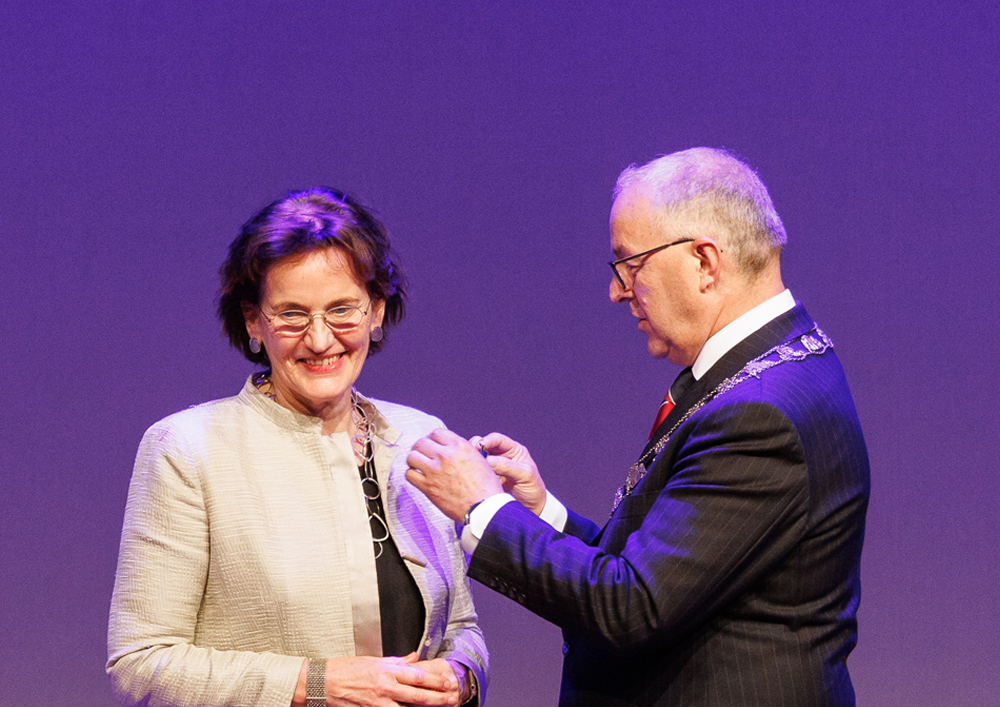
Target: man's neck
[
  {"x": 748, "y": 296},
  {"x": 739, "y": 328}
]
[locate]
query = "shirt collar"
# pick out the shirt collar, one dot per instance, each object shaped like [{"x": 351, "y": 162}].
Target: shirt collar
[{"x": 740, "y": 328}]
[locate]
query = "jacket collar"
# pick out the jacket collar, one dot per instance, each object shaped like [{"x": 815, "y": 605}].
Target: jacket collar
[{"x": 306, "y": 424}]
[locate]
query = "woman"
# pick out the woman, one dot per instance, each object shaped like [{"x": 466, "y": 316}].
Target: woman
[{"x": 272, "y": 549}]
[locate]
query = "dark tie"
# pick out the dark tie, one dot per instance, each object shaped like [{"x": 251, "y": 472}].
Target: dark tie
[{"x": 680, "y": 384}]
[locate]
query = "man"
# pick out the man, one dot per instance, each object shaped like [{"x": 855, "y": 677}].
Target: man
[{"x": 728, "y": 573}]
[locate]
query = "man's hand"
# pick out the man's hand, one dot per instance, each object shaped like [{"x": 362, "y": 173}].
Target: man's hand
[
  {"x": 512, "y": 462},
  {"x": 451, "y": 472}
]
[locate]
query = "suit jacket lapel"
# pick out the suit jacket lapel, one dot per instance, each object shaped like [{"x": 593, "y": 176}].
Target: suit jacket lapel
[{"x": 794, "y": 322}]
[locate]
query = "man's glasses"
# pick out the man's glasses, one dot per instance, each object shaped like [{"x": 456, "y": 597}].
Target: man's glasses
[
  {"x": 630, "y": 270},
  {"x": 293, "y": 322}
]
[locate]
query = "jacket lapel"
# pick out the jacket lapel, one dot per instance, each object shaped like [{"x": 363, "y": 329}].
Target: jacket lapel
[{"x": 794, "y": 322}]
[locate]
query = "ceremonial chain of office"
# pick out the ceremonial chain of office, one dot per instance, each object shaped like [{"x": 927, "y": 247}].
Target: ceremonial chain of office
[{"x": 813, "y": 343}]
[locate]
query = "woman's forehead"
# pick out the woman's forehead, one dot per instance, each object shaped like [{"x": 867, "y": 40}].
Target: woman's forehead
[{"x": 316, "y": 275}]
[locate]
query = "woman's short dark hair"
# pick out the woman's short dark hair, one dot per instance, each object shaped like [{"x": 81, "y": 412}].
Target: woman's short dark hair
[{"x": 304, "y": 222}]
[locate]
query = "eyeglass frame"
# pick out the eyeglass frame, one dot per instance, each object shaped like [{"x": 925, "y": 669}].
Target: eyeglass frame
[
  {"x": 313, "y": 315},
  {"x": 615, "y": 263}
]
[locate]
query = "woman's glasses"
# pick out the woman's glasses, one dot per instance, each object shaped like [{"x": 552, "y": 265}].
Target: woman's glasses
[{"x": 293, "y": 322}]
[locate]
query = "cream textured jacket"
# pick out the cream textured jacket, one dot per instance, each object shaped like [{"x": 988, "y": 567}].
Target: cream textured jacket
[{"x": 246, "y": 548}]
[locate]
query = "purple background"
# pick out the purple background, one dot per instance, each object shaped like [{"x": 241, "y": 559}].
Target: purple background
[{"x": 138, "y": 136}]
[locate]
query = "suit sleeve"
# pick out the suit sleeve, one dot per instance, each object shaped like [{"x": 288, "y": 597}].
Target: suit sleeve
[
  {"x": 580, "y": 527},
  {"x": 708, "y": 522}
]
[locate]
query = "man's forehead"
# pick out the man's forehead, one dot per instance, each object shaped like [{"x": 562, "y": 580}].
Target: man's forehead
[
  {"x": 642, "y": 201},
  {"x": 639, "y": 221},
  {"x": 635, "y": 196}
]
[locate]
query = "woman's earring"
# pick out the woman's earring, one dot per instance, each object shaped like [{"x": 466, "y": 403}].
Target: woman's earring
[
  {"x": 254, "y": 345},
  {"x": 377, "y": 334}
]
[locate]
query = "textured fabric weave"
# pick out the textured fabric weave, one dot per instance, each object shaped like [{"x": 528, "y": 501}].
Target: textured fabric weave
[{"x": 246, "y": 548}]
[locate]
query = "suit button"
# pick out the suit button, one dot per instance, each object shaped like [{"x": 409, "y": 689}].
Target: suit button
[{"x": 566, "y": 648}]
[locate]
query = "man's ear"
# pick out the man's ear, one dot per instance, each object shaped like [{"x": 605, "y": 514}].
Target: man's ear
[{"x": 709, "y": 254}]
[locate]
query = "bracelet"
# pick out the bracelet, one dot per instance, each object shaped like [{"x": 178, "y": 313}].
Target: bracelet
[
  {"x": 316, "y": 684},
  {"x": 471, "y": 684}
]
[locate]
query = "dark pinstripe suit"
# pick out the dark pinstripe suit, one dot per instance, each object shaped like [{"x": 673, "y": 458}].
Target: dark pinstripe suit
[{"x": 730, "y": 576}]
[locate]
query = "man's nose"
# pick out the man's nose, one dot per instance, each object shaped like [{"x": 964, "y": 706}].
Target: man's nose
[{"x": 617, "y": 293}]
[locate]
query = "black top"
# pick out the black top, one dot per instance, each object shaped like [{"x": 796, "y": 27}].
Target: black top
[{"x": 401, "y": 608}]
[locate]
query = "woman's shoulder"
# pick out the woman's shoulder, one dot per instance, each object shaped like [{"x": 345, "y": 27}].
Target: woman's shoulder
[
  {"x": 405, "y": 418},
  {"x": 197, "y": 420}
]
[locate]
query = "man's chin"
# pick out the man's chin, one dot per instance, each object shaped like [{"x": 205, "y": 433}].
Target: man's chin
[
  {"x": 656, "y": 348},
  {"x": 659, "y": 350}
]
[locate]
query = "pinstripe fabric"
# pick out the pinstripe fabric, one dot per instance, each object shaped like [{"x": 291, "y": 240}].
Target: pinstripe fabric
[
  {"x": 246, "y": 548},
  {"x": 730, "y": 576}
]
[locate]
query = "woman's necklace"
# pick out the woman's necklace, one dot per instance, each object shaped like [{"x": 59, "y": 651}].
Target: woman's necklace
[
  {"x": 364, "y": 451},
  {"x": 262, "y": 382},
  {"x": 362, "y": 439}
]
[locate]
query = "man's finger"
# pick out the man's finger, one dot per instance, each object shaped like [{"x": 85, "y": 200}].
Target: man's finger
[
  {"x": 419, "y": 461},
  {"x": 497, "y": 443},
  {"x": 444, "y": 437},
  {"x": 507, "y": 468},
  {"x": 416, "y": 478},
  {"x": 427, "y": 446}
]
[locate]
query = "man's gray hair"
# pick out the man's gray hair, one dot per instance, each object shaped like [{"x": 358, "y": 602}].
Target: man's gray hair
[{"x": 714, "y": 186}]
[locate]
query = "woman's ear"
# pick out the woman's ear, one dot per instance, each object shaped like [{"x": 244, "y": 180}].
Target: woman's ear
[
  {"x": 251, "y": 317},
  {"x": 378, "y": 314}
]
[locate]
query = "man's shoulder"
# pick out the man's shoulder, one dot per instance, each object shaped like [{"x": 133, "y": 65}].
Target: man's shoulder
[
  {"x": 791, "y": 385},
  {"x": 808, "y": 399}
]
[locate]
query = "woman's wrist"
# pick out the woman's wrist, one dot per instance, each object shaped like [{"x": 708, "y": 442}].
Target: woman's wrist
[
  {"x": 467, "y": 686},
  {"x": 310, "y": 690},
  {"x": 316, "y": 684},
  {"x": 299, "y": 696}
]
